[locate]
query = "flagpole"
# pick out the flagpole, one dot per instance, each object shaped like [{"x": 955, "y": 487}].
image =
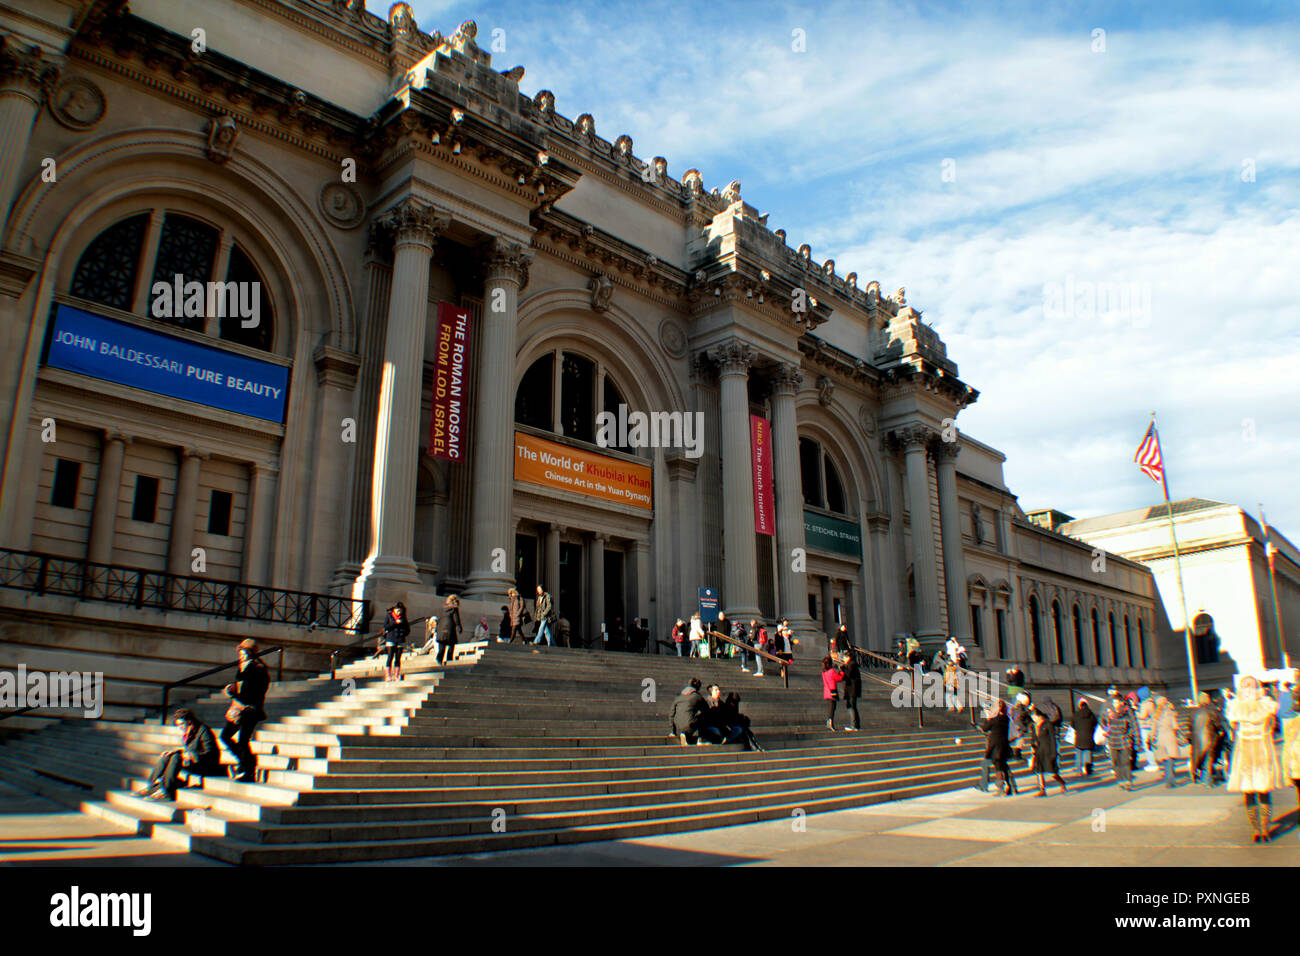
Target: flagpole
[
  {"x": 1178, "y": 565},
  {"x": 1270, "y": 552}
]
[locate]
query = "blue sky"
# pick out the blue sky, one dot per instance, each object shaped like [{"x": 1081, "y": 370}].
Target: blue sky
[{"x": 1161, "y": 172}]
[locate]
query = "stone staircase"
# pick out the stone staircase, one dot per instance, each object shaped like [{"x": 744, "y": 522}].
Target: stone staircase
[{"x": 507, "y": 747}]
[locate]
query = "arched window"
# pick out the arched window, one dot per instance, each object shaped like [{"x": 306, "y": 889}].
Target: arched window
[
  {"x": 1114, "y": 642},
  {"x": 822, "y": 485},
  {"x": 1056, "y": 632},
  {"x": 1128, "y": 643},
  {"x": 1096, "y": 637},
  {"x": 1036, "y": 628},
  {"x": 578, "y": 382},
  {"x": 1142, "y": 644},
  {"x": 239, "y": 309},
  {"x": 1077, "y": 620}
]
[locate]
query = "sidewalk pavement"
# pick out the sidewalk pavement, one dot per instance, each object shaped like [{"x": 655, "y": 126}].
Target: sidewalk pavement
[{"x": 1096, "y": 824}]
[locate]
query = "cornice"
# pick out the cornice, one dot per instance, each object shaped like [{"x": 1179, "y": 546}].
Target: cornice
[{"x": 587, "y": 265}]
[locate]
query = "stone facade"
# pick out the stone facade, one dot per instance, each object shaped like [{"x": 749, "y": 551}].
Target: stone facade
[{"x": 367, "y": 171}]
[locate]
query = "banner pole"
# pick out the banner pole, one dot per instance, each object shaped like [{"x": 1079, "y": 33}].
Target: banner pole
[{"x": 1178, "y": 566}]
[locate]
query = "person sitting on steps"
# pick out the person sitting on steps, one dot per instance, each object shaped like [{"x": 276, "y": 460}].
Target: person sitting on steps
[
  {"x": 198, "y": 756},
  {"x": 687, "y": 709},
  {"x": 718, "y": 724}
]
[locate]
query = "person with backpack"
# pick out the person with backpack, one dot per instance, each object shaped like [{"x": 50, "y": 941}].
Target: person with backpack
[{"x": 687, "y": 710}]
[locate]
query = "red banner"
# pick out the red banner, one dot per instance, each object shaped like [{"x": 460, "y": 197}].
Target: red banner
[
  {"x": 760, "y": 441},
  {"x": 450, "y": 419}
]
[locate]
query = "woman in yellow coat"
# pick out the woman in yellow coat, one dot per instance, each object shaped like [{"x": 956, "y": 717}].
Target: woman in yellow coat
[{"x": 1256, "y": 771}]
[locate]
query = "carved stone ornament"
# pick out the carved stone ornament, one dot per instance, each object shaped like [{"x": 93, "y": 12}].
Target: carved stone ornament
[
  {"x": 77, "y": 103},
  {"x": 825, "y": 388},
  {"x": 545, "y": 103},
  {"x": 914, "y": 437},
  {"x": 623, "y": 147},
  {"x": 692, "y": 182},
  {"x": 27, "y": 66},
  {"x": 732, "y": 193},
  {"x": 900, "y": 297},
  {"x": 401, "y": 19},
  {"x": 672, "y": 338},
  {"x": 867, "y": 419},
  {"x": 411, "y": 221},
  {"x": 585, "y": 126},
  {"x": 977, "y": 523},
  {"x": 342, "y": 205},
  {"x": 506, "y": 259},
  {"x": 602, "y": 291},
  {"x": 734, "y": 357},
  {"x": 222, "y": 135},
  {"x": 873, "y": 289},
  {"x": 786, "y": 379}
]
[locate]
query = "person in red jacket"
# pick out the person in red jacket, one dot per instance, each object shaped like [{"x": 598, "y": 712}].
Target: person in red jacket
[{"x": 831, "y": 679}]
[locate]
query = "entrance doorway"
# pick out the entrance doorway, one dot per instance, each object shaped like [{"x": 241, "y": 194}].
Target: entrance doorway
[
  {"x": 615, "y": 614},
  {"x": 526, "y": 565},
  {"x": 570, "y": 596}
]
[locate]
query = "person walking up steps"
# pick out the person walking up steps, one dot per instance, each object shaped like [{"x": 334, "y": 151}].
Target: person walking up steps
[
  {"x": 1084, "y": 723},
  {"x": 761, "y": 644},
  {"x": 851, "y": 688},
  {"x": 1256, "y": 771},
  {"x": 515, "y": 608},
  {"x": 544, "y": 614},
  {"x": 247, "y": 702},
  {"x": 449, "y": 629},
  {"x": 831, "y": 679},
  {"x": 997, "y": 748}
]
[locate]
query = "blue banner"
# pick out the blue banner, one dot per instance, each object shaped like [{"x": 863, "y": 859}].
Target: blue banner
[
  {"x": 166, "y": 365},
  {"x": 708, "y": 605}
]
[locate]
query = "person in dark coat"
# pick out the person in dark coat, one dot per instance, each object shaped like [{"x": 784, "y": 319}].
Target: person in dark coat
[
  {"x": 1021, "y": 729},
  {"x": 248, "y": 700},
  {"x": 732, "y": 713},
  {"x": 449, "y": 629},
  {"x": 1209, "y": 732},
  {"x": 515, "y": 607},
  {"x": 1121, "y": 740},
  {"x": 198, "y": 755},
  {"x": 1084, "y": 723},
  {"x": 687, "y": 710},
  {"x": 851, "y": 688},
  {"x": 396, "y": 630},
  {"x": 997, "y": 748},
  {"x": 719, "y": 723},
  {"x": 1045, "y": 753},
  {"x": 503, "y": 630}
]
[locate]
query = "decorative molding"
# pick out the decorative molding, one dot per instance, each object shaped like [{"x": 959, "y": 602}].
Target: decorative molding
[
  {"x": 786, "y": 379},
  {"x": 342, "y": 205},
  {"x": 77, "y": 103},
  {"x": 507, "y": 260},
  {"x": 733, "y": 357},
  {"x": 914, "y": 437},
  {"x": 223, "y": 133},
  {"x": 672, "y": 338},
  {"x": 28, "y": 68},
  {"x": 825, "y": 389},
  {"x": 602, "y": 290},
  {"x": 867, "y": 419}
]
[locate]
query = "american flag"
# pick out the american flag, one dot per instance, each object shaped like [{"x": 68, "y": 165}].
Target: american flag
[{"x": 1148, "y": 455}]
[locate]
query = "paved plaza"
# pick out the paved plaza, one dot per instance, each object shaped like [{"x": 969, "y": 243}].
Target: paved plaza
[{"x": 1095, "y": 825}]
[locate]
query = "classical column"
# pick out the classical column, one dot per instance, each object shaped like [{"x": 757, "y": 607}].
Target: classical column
[
  {"x": 639, "y": 559},
  {"x": 336, "y": 382},
  {"x": 108, "y": 489},
  {"x": 26, "y": 72},
  {"x": 596, "y": 590},
  {"x": 397, "y": 439},
  {"x": 183, "y": 507},
  {"x": 791, "y": 585},
  {"x": 915, "y": 439},
  {"x": 851, "y": 618},
  {"x": 954, "y": 556},
  {"x": 552, "y": 574},
  {"x": 741, "y": 565},
  {"x": 257, "y": 532},
  {"x": 828, "y": 609},
  {"x": 494, "y": 452}
]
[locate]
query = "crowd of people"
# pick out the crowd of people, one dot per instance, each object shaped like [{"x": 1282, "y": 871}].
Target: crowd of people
[{"x": 710, "y": 718}]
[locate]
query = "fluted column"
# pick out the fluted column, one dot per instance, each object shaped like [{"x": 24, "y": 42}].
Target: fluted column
[
  {"x": 26, "y": 72},
  {"x": 828, "y": 609},
  {"x": 108, "y": 490},
  {"x": 397, "y": 440},
  {"x": 552, "y": 575},
  {"x": 954, "y": 558},
  {"x": 596, "y": 591},
  {"x": 639, "y": 555},
  {"x": 183, "y": 507},
  {"x": 924, "y": 561},
  {"x": 493, "y": 468},
  {"x": 741, "y": 565},
  {"x": 791, "y": 585},
  {"x": 257, "y": 530}
]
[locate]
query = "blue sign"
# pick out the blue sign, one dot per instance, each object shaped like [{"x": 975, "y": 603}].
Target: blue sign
[
  {"x": 166, "y": 365},
  {"x": 708, "y": 605}
]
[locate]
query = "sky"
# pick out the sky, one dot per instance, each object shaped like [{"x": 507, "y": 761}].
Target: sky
[{"x": 1096, "y": 207}]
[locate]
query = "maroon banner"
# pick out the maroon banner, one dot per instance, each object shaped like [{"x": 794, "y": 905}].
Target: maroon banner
[
  {"x": 450, "y": 419},
  {"x": 760, "y": 441}
]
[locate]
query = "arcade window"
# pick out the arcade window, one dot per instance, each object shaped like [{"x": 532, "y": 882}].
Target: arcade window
[
  {"x": 1056, "y": 631},
  {"x": 1000, "y": 616},
  {"x": 533, "y": 399},
  {"x": 66, "y": 475},
  {"x": 578, "y": 398},
  {"x": 219, "y": 513},
  {"x": 976, "y": 625},
  {"x": 109, "y": 270},
  {"x": 145, "y": 506},
  {"x": 1036, "y": 628},
  {"x": 822, "y": 485}
]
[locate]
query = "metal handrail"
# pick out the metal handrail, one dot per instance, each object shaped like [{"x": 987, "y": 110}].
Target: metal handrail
[
  {"x": 785, "y": 664},
  {"x": 167, "y": 688},
  {"x": 21, "y": 710},
  {"x": 894, "y": 665}
]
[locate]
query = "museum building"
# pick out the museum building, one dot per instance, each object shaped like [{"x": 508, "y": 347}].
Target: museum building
[{"x": 330, "y": 308}]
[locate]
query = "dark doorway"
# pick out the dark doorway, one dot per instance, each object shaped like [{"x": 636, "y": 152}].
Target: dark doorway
[
  {"x": 615, "y": 615},
  {"x": 570, "y": 596},
  {"x": 526, "y": 565}
]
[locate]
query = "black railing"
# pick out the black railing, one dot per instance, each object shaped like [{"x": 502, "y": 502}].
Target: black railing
[
  {"x": 785, "y": 664},
  {"x": 167, "y": 688},
  {"x": 140, "y": 587}
]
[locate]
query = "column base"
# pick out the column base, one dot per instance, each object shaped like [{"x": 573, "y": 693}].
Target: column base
[
  {"x": 488, "y": 586},
  {"x": 384, "y": 579}
]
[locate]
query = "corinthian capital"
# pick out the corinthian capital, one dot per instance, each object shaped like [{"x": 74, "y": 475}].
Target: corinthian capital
[
  {"x": 913, "y": 437},
  {"x": 945, "y": 450},
  {"x": 507, "y": 260},
  {"x": 414, "y": 221},
  {"x": 27, "y": 67},
  {"x": 786, "y": 379},
  {"x": 733, "y": 357}
]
